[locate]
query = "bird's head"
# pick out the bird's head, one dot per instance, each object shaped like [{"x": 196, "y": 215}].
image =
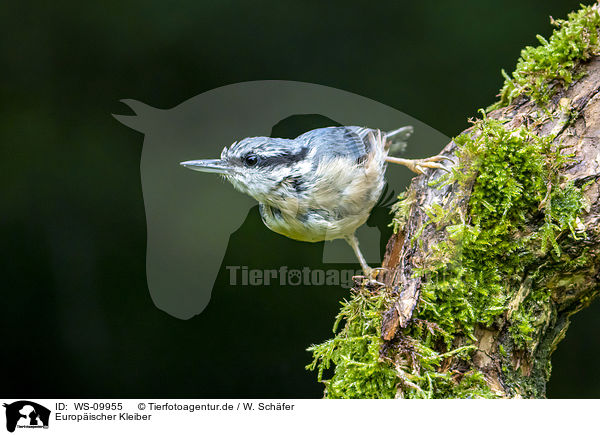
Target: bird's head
[{"x": 258, "y": 166}]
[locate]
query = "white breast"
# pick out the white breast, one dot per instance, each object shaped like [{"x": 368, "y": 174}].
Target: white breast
[{"x": 340, "y": 199}]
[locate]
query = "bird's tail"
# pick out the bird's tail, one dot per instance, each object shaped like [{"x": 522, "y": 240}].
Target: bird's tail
[{"x": 395, "y": 140}]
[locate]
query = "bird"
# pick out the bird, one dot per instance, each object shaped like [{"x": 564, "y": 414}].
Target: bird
[{"x": 322, "y": 185}]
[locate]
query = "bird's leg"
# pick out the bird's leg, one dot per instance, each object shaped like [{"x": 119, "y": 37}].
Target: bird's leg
[
  {"x": 418, "y": 165},
  {"x": 353, "y": 242}
]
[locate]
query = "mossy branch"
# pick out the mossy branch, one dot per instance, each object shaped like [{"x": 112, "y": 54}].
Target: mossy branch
[{"x": 489, "y": 262}]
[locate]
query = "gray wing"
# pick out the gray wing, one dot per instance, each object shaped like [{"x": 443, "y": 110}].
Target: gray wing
[{"x": 332, "y": 142}]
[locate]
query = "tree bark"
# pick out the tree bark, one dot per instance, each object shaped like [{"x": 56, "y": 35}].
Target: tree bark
[{"x": 574, "y": 116}]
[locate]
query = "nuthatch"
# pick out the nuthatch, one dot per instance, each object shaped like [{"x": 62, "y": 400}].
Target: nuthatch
[{"x": 321, "y": 185}]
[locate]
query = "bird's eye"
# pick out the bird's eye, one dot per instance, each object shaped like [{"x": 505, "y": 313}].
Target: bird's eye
[{"x": 251, "y": 159}]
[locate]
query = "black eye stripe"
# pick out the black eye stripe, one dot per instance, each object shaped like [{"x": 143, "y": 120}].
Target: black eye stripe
[
  {"x": 284, "y": 159},
  {"x": 252, "y": 159}
]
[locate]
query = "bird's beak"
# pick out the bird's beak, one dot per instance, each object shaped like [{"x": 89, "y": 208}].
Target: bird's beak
[{"x": 214, "y": 165}]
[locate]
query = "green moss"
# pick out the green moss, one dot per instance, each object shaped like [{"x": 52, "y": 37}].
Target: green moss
[
  {"x": 361, "y": 372},
  {"x": 522, "y": 327},
  {"x": 354, "y": 351},
  {"x": 425, "y": 371},
  {"x": 401, "y": 210},
  {"x": 472, "y": 385},
  {"x": 554, "y": 63},
  {"x": 502, "y": 350},
  {"x": 518, "y": 379},
  {"x": 518, "y": 207},
  {"x": 465, "y": 286}
]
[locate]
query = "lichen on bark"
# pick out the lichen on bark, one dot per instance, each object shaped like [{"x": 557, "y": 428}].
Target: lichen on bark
[{"x": 489, "y": 262}]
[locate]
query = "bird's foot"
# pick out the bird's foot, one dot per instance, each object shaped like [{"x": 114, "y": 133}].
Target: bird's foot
[
  {"x": 418, "y": 165},
  {"x": 430, "y": 162},
  {"x": 375, "y": 271},
  {"x": 369, "y": 279}
]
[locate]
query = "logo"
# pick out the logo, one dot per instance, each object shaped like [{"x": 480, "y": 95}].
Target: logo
[{"x": 26, "y": 414}]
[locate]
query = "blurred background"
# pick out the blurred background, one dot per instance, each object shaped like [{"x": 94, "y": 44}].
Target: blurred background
[{"x": 76, "y": 318}]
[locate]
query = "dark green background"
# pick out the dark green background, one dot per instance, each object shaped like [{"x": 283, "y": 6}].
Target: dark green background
[{"x": 76, "y": 317}]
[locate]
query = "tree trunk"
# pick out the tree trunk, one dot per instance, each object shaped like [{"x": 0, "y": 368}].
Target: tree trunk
[
  {"x": 553, "y": 280},
  {"x": 490, "y": 259}
]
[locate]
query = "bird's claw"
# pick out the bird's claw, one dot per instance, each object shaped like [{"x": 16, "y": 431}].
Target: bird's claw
[
  {"x": 369, "y": 278},
  {"x": 372, "y": 272},
  {"x": 419, "y": 165}
]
